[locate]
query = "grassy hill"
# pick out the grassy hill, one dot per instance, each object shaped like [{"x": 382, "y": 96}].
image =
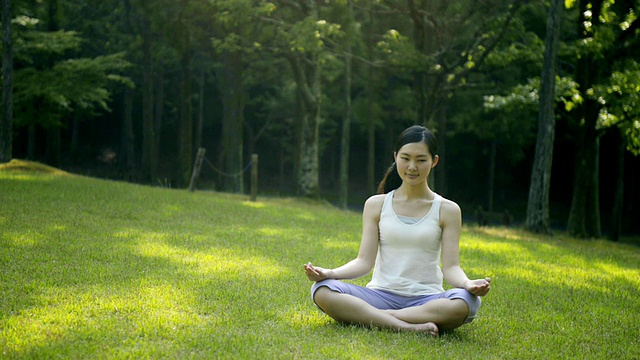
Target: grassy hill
[{"x": 103, "y": 269}]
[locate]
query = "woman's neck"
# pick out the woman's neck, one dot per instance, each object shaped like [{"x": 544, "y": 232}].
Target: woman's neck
[{"x": 421, "y": 191}]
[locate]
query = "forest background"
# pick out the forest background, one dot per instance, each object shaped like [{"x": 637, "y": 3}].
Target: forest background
[{"x": 130, "y": 89}]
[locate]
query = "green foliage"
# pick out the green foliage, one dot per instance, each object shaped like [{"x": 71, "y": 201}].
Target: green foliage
[
  {"x": 51, "y": 80},
  {"x": 620, "y": 97},
  {"x": 73, "y": 83},
  {"x": 127, "y": 271},
  {"x": 399, "y": 51},
  {"x": 527, "y": 95}
]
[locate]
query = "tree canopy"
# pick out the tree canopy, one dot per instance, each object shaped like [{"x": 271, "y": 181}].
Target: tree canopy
[{"x": 301, "y": 83}]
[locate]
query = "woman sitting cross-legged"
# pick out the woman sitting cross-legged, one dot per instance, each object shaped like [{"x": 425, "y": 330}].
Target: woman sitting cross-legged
[{"x": 408, "y": 230}]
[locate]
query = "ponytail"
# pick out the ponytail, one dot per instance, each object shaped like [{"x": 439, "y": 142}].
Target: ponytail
[{"x": 390, "y": 181}]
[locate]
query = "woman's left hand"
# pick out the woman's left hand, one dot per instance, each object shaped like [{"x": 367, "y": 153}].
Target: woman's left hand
[{"x": 479, "y": 287}]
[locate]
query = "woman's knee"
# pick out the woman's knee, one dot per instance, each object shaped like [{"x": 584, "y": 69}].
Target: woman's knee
[
  {"x": 457, "y": 310},
  {"x": 323, "y": 297}
]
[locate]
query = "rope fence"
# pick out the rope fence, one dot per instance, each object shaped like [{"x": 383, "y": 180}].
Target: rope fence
[{"x": 253, "y": 165}]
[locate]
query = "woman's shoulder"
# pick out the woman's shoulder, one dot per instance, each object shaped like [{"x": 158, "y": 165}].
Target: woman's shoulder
[
  {"x": 373, "y": 205},
  {"x": 449, "y": 206},
  {"x": 375, "y": 201}
]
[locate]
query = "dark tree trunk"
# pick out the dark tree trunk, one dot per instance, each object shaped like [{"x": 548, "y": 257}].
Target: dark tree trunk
[
  {"x": 491, "y": 183},
  {"x": 441, "y": 169},
  {"x": 185, "y": 143},
  {"x": 6, "y": 127},
  {"x": 584, "y": 216},
  {"x": 618, "y": 199},
  {"x": 31, "y": 142},
  {"x": 53, "y": 152},
  {"x": 200, "y": 125},
  {"x": 346, "y": 124},
  {"x": 306, "y": 69},
  {"x": 158, "y": 108},
  {"x": 538, "y": 205},
  {"x": 371, "y": 100},
  {"x": 149, "y": 163},
  {"x": 128, "y": 138},
  {"x": 232, "y": 139}
]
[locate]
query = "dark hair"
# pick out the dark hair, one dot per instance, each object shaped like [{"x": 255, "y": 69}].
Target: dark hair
[{"x": 415, "y": 133}]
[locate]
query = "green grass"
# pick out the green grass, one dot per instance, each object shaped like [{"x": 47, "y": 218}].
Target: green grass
[{"x": 101, "y": 269}]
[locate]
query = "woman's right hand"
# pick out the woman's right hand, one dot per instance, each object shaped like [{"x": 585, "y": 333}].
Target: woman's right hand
[{"x": 315, "y": 273}]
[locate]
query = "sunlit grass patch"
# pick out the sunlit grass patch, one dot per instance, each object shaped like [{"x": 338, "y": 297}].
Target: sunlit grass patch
[{"x": 102, "y": 269}]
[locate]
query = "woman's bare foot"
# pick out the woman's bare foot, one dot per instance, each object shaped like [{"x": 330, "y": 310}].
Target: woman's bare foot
[{"x": 427, "y": 328}]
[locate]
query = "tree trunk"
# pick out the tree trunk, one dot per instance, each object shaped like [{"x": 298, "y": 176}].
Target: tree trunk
[
  {"x": 53, "y": 152},
  {"x": 491, "y": 183},
  {"x": 584, "y": 216},
  {"x": 6, "y": 128},
  {"x": 200, "y": 126},
  {"x": 149, "y": 163},
  {"x": 346, "y": 122},
  {"x": 308, "y": 82},
  {"x": 232, "y": 99},
  {"x": 441, "y": 169},
  {"x": 185, "y": 143},
  {"x": 31, "y": 142},
  {"x": 75, "y": 135},
  {"x": 158, "y": 110},
  {"x": 538, "y": 205},
  {"x": 618, "y": 199},
  {"x": 306, "y": 69},
  {"x": 128, "y": 138},
  {"x": 371, "y": 99},
  {"x": 420, "y": 42}
]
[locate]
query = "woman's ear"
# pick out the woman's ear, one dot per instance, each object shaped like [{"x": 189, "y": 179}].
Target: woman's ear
[
  {"x": 395, "y": 155},
  {"x": 435, "y": 161}
]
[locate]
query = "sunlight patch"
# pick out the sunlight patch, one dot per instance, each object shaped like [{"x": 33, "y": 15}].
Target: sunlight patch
[
  {"x": 24, "y": 240},
  {"x": 302, "y": 318},
  {"x": 502, "y": 232},
  {"x": 216, "y": 261},
  {"x": 337, "y": 244},
  {"x": 64, "y": 313},
  {"x": 254, "y": 204},
  {"x": 631, "y": 275},
  {"x": 502, "y": 248},
  {"x": 270, "y": 231}
]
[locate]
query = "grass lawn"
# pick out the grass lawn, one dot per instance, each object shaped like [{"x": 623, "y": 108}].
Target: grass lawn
[{"x": 101, "y": 269}]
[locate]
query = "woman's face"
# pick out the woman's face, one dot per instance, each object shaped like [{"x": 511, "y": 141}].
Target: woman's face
[{"x": 414, "y": 162}]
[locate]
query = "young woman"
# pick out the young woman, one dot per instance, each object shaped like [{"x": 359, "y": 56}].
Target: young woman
[{"x": 407, "y": 231}]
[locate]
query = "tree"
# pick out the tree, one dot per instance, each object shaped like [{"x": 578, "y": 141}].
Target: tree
[
  {"x": 538, "y": 205},
  {"x": 346, "y": 122},
  {"x": 300, "y": 36},
  {"x": 622, "y": 94},
  {"x": 607, "y": 37},
  {"x": 6, "y": 126},
  {"x": 234, "y": 33}
]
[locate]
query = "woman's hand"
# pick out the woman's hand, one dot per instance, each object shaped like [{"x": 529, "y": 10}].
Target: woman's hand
[
  {"x": 479, "y": 287},
  {"x": 315, "y": 273}
]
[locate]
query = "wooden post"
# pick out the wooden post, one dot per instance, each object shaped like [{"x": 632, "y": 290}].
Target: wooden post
[
  {"x": 254, "y": 176},
  {"x": 196, "y": 168}
]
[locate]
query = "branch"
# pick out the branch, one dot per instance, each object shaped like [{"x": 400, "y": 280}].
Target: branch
[
  {"x": 301, "y": 79},
  {"x": 503, "y": 32}
]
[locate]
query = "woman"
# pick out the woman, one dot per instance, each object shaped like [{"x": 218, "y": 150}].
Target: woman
[{"x": 407, "y": 230}]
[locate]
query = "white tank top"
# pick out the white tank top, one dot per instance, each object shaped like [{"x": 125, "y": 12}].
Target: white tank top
[{"x": 408, "y": 260}]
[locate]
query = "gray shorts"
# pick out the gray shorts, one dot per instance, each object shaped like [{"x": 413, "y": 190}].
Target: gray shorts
[{"x": 385, "y": 300}]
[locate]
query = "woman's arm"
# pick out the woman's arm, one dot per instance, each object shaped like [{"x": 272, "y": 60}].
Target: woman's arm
[
  {"x": 451, "y": 222},
  {"x": 365, "y": 260}
]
